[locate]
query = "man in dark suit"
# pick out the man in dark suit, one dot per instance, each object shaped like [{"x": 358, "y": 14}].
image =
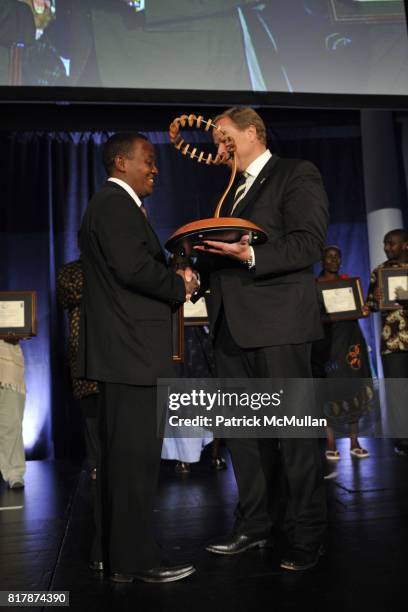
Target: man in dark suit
[
  {"x": 125, "y": 345},
  {"x": 264, "y": 316},
  {"x": 16, "y": 26},
  {"x": 112, "y": 45}
]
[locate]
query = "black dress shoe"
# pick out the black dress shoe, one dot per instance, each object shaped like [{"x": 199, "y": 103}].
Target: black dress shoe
[
  {"x": 123, "y": 578},
  {"x": 96, "y": 566},
  {"x": 16, "y": 484},
  {"x": 297, "y": 560},
  {"x": 182, "y": 468},
  {"x": 218, "y": 463},
  {"x": 164, "y": 573},
  {"x": 236, "y": 543}
]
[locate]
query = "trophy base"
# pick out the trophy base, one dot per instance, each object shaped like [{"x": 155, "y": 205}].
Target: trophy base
[{"x": 222, "y": 229}]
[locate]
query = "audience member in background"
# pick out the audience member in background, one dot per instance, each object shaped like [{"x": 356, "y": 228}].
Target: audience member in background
[
  {"x": 394, "y": 332},
  {"x": 69, "y": 291},
  {"x": 342, "y": 354},
  {"x": 12, "y": 400}
]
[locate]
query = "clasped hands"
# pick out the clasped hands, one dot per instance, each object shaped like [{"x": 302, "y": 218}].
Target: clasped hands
[
  {"x": 11, "y": 338},
  {"x": 190, "y": 279},
  {"x": 237, "y": 250}
]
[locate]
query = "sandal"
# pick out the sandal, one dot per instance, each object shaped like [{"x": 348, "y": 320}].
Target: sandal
[
  {"x": 360, "y": 453},
  {"x": 333, "y": 455}
]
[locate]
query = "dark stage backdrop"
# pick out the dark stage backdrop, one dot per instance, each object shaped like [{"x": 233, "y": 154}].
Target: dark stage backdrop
[{"x": 48, "y": 178}]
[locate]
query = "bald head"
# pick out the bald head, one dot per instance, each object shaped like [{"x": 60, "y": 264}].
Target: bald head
[{"x": 396, "y": 244}]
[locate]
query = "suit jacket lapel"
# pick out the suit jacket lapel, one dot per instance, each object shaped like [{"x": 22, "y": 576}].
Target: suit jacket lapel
[
  {"x": 256, "y": 186},
  {"x": 150, "y": 228}
]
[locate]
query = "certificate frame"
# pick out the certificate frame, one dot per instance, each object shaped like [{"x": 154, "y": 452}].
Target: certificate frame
[
  {"x": 343, "y": 283},
  {"x": 384, "y": 274},
  {"x": 29, "y": 303},
  {"x": 178, "y": 334},
  {"x": 196, "y": 314}
]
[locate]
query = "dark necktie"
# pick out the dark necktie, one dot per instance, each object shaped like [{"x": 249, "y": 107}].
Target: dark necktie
[
  {"x": 239, "y": 193},
  {"x": 144, "y": 211}
]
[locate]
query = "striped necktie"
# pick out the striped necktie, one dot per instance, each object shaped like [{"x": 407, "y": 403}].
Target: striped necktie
[{"x": 240, "y": 191}]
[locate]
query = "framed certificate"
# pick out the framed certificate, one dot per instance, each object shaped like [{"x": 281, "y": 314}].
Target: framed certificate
[
  {"x": 178, "y": 334},
  {"x": 389, "y": 279},
  {"x": 342, "y": 299},
  {"x": 196, "y": 314},
  {"x": 18, "y": 313}
]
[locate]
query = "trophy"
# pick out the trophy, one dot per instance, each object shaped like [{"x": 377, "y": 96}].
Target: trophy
[{"x": 222, "y": 229}]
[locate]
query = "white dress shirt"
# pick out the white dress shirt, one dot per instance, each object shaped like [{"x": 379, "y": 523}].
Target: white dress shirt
[
  {"x": 127, "y": 188},
  {"x": 252, "y": 172},
  {"x": 255, "y": 168}
]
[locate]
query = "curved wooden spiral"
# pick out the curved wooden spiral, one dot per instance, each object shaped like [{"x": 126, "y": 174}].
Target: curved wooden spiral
[{"x": 221, "y": 158}]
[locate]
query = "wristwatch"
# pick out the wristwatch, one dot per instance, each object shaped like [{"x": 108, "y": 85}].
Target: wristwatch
[{"x": 250, "y": 262}]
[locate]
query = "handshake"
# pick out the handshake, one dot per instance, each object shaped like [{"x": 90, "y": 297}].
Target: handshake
[{"x": 191, "y": 282}]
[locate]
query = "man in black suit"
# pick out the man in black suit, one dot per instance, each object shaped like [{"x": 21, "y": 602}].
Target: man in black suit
[
  {"x": 125, "y": 345},
  {"x": 264, "y": 316}
]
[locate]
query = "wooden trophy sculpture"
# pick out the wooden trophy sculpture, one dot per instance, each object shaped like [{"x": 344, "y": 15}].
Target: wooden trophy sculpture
[{"x": 223, "y": 229}]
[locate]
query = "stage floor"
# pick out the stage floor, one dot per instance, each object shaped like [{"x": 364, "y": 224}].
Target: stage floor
[{"x": 45, "y": 544}]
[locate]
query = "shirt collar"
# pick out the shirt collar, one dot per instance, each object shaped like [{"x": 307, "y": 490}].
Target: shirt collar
[
  {"x": 127, "y": 188},
  {"x": 256, "y": 166}
]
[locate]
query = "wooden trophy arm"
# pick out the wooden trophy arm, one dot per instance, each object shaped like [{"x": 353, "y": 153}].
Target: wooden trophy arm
[{"x": 221, "y": 158}]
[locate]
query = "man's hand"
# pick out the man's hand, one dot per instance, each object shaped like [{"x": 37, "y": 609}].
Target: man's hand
[
  {"x": 365, "y": 310},
  {"x": 190, "y": 281},
  {"x": 237, "y": 250},
  {"x": 378, "y": 294},
  {"x": 11, "y": 338},
  {"x": 180, "y": 262}
]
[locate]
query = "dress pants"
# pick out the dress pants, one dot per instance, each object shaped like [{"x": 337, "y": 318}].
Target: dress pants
[
  {"x": 90, "y": 413},
  {"x": 262, "y": 465},
  {"x": 127, "y": 474},
  {"x": 395, "y": 365},
  {"x": 12, "y": 455}
]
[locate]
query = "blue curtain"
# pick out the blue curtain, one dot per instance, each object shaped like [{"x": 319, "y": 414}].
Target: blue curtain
[{"x": 48, "y": 178}]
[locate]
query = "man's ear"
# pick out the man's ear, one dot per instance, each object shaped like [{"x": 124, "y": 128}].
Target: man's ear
[
  {"x": 120, "y": 163},
  {"x": 252, "y": 133}
]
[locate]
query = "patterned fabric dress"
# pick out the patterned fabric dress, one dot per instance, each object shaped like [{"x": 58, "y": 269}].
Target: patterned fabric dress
[
  {"x": 341, "y": 358},
  {"x": 69, "y": 292},
  {"x": 394, "y": 328}
]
